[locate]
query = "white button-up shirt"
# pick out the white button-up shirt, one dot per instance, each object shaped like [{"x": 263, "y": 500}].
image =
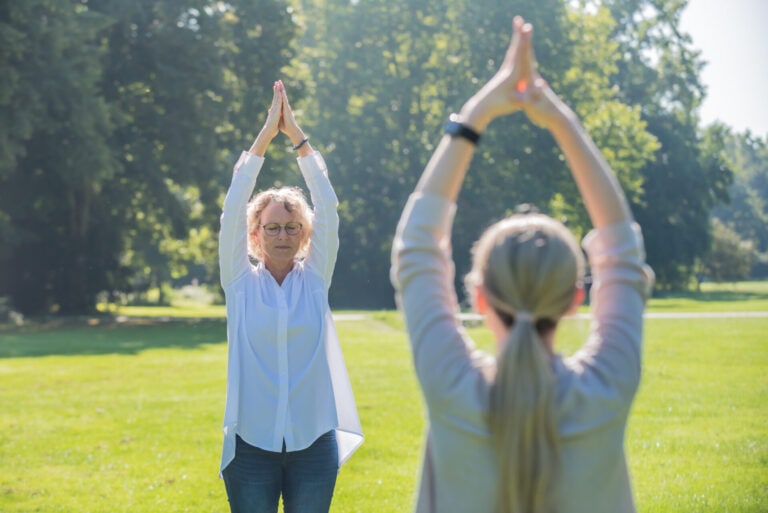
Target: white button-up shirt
[{"x": 286, "y": 382}]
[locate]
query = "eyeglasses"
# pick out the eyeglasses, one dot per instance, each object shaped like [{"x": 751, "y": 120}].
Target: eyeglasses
[{"x": 273, "y": 229}]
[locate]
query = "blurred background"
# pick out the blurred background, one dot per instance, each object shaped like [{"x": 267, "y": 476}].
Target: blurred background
[{"x": 120, "y": 123}]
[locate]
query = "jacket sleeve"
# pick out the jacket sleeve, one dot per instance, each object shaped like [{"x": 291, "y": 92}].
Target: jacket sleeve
[
  {"x": 324, "y": 241},
  {"x": 449, "y": 367},
  {"x": 621, "y": 284},
  {"x": 233, "y": 236}
]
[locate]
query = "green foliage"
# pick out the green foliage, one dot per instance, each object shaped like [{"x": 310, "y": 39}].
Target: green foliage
[
  {"x": 730, "y": 257},
  {"x": 617, "y": 128},
  {"x": 686, "y": 180},
  {"x": 112, "y": 177},
  {"x": 747, "y": 209},
  {"x": 57, "y": 161},
  {"x": 394, "y": 85},
  {"x": 121, "y": 121},
  {"x": 376, "y": 107},
  {"x": 659, "y": 72}
]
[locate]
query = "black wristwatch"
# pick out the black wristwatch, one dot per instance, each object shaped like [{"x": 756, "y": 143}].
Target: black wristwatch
[{"x": 456, "y": 128}]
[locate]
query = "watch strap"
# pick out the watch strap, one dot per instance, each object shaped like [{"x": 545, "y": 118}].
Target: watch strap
[{"x": 456, "y": 128}]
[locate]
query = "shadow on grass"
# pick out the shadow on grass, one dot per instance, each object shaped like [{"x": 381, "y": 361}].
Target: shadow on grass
[
  {"x": 713, "y": 295},
  {"x": 100, "y": 336}
]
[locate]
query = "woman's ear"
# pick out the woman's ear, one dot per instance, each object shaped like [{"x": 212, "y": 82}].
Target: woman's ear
[
  {"x": 492, "y": 321},
  {"x": 480, "y": 301},
  {"x": 578, "y": 299},
  {"x": 253, "y": 236}
]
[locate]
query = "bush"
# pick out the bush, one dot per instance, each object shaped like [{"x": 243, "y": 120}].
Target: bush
[
  {"x": 730, "y": 256},
  {"x": 8, "y": 315}
]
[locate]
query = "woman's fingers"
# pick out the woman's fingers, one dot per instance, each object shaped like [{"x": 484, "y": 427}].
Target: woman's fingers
[
  {"x": 517, "y": 61},
  {"x": 524, "y": 64},
  {"x": 539, "y": 85},
  {"x": 284, "y": 93},
  {"x": 274, "y": 113},
  {"x": 276, "y": 97},
  {"x": 288, "y": 110},
  {"x": 277, "y": 101},
  {"x": 509, "y": 57}
]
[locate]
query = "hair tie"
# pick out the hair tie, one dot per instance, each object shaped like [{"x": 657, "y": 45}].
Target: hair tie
[{"x": 523, "y": 316}]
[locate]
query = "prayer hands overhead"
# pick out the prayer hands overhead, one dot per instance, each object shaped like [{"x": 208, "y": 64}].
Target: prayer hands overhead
[
  {"x": 280, "y": 118},
  {"x": 275, "y": 112},
  {"x": 517, "y": 85}
]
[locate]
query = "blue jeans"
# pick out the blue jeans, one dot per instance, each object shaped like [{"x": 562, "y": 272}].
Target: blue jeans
[{"x": 255, "y": 478}]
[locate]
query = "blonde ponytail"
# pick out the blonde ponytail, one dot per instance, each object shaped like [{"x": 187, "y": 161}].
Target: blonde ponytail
[
  {"x": 523, "y": 423},
  {"x": 529, "y": 267}
]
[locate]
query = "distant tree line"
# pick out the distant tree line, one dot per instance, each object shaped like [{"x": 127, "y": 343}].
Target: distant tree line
[{"x": 120, "y": 121}]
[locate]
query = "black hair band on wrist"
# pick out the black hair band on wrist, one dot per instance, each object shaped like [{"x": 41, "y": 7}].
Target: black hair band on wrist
[
  {"x": 302, "y": 143},
  {"x": 455, "y": 128}
]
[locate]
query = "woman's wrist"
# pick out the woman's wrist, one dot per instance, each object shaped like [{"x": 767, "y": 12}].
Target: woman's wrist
[
  {"x": 300, "y": 144},
  {"x": 296, "y": 137},
  {"x": 305, "y": 150},
  {"x": 475, "y": 116},
  {"x": 562, "y": 118},
  {"x": 260, "y": 145}
]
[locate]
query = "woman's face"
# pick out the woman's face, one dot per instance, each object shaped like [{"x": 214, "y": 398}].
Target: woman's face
[{"x": 279, "y": 249}]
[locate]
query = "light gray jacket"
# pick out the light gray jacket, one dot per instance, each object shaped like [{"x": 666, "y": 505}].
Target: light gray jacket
[{"x": 596, "y": 385}]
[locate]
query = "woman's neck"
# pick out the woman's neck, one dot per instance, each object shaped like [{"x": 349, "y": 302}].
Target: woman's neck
[{"x": 279, "y": 270}]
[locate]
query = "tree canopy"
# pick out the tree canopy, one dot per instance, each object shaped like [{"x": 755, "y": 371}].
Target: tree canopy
[
  {"x": 121, "y": 121},
  {"x": 116, "y": 119}
]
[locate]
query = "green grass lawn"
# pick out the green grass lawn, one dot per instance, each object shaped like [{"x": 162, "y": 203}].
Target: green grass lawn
[
  {"x": 113, "y": 417},
  {"x": 715, "y": 297}
]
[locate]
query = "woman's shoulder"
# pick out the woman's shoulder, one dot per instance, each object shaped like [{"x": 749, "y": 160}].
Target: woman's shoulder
[{"x": 307, "y": 274}]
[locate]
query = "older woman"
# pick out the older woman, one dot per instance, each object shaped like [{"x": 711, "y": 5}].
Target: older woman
[{"x": 290, "y": 418}]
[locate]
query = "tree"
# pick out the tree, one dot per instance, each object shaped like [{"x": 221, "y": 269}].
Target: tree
[
  {"x": 392, "y": 86},
  {"x": 121, "y": 121},
  {"x": 189, "y": 79},
  {"x": 688, "y": 178},
  {"x": 659, "y": 71},
  {"x": 128, "y": 113},
  {"x": 730, "y": 257},
  {"x": 746, "y": 212},
  {"x": 374, "y": 99},
  {"x": 54, "y": 168}
]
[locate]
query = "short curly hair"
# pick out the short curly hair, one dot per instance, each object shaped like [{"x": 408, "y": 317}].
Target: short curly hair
[{"x": 294, "y": 201}]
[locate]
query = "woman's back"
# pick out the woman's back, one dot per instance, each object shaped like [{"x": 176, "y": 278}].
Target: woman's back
[{"x": 594, "y": 387}]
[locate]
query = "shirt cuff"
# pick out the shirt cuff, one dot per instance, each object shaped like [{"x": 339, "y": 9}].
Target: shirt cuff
[
  {"x": 248, "y": 162},
  {"x": 613, "y": 238},
  {"x": 312, "y": 163}
]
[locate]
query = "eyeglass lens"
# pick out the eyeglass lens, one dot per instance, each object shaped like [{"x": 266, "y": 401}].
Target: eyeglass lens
[{"x": 272, "y": 229}]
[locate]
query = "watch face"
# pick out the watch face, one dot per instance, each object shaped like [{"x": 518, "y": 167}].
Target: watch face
[
  {"x": 453, "y": 127},
  {"x": 456, "y": 129}
]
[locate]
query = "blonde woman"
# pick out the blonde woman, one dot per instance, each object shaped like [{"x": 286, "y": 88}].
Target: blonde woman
[
  {"x": 290, "y": 418},
  {"x": 524, "y": 430}
]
